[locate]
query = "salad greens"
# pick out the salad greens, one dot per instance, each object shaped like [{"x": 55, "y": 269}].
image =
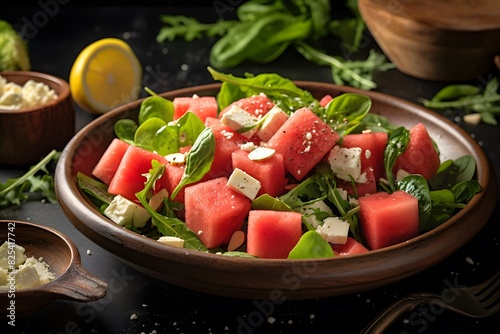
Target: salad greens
[
  {"x": 439, "y": 198},
  {"x": 14, "y": 55},
  {"x": 469, "y": 98},
  {"x": 264, "y": 30},
  {"x": 37, "y": 180}
]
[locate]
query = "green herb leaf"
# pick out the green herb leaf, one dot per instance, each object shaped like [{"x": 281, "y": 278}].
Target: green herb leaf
[
  {"x": 37, "y": 179},
  {"x": 311, "y": 245},
  {"x": 199, "y": 160}
]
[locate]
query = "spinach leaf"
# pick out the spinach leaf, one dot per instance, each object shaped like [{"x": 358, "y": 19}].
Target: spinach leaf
[
  {"x": 396, "y": 145},
  {"x": 267, "y": 202},
  {"x": 146, "y": 133},
  {"x": 346, "y": 111},
  {"x": 156, "y": 107},
  {"x": 451, "y": 172},
  {"x": 198, "y": 161},
  {"x": 311, "y": 245},
  {"x": 168, "y": 226},
  {"x": 125, "y": 130},
  {"x": 417, "y": 186}
]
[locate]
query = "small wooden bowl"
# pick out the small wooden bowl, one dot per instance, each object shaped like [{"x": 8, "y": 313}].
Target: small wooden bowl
[
  {"x": 27, "y": 135},
  {"x": 72, "y": 281},
  {"x": 454, "y": 40}
]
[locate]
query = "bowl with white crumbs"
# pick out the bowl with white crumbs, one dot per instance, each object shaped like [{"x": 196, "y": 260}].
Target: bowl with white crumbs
[
  {"x": 37, "y": 115},
  {"x": 39, "y": 265}
]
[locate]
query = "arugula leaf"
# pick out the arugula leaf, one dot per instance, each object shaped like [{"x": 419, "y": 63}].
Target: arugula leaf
[{"x": 37, "y": 179}]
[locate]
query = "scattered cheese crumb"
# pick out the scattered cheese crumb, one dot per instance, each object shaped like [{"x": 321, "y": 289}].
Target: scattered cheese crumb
[{"x": 133, "y": 317}]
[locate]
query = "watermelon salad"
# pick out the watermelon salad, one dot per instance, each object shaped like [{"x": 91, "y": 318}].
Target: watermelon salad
[{"x": 266, "y": 170}]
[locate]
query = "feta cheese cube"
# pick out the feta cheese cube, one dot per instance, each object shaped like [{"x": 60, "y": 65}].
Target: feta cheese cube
[
  {"x": 16, "y": 253},
  {"x": 313, "y": 210},
  {"x": 125, "y": 212},
  {"x": 241, "y": 121},
  {"x": 244, "y": 183},
  {"x": 27, "y": 277},
  {"x": 345, "y": 161},
  {"x": 334, "y": 230},
  {"x": 272, "y": 121}
]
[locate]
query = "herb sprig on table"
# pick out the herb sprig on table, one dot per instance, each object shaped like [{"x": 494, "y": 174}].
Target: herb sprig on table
[
  {"x": 264, "y": 30},
  {"x": 483, "y": 104},
  {"x": 37, "y": 179}
]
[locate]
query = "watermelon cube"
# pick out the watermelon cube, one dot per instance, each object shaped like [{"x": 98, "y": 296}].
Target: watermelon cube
[
  {"x": 270, "y": 172},
  {"x": 325, "y": 100},
  {"x": 170, "y": 179},
  {"x": 108, "y": 164},
  {"x": 420, "y": 156},
  {"x": 387, "y": 219},
  {"x": 351, "y": 247},
  {"x": 129, "y": 177},
  {"x": 226, "y": 142},
  {"x": 214, "y": 212},
  {"x": 201, "y": 106},
  {"x": 273, "y": 234},
  {"x": 372, "y": 146},
  {"x": 303, "y": 140},
  {"x": 257, "y": 105}
]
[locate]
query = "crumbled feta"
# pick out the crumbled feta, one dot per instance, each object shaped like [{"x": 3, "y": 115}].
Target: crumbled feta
[
  {"x": 239, "y": 119},
  {"x": 345, "y": 161},
  {"x": 124, "y": 212},
  {"x": 244, "y": 183},
  {"x": 334, "y": 230},
  {"x": 31, "y": 94},
  {"x": 26, "y": 272}
]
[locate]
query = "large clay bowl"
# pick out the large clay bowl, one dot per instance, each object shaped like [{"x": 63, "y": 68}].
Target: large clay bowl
[
  {"x": 277, "y": 279},
  {"x": 71, "y": 282}
]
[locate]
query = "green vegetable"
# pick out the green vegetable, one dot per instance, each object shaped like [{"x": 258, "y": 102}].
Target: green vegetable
[
  {"x": 199, "y": 160},
  {"x": 265, "y": 29},
  {"x": 13, "y": 50},
  {"x": 311, "y": 245},
  {"x": 470, "y": 99},
  {"x": 37, "y": 179},
  {"x": 167, "y": 225}
]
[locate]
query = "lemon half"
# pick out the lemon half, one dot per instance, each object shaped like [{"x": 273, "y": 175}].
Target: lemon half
[{"x": 105, "y": 75}]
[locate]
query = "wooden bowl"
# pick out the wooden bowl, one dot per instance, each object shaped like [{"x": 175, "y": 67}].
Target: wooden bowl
[
  {"x": 71, "y": 282},
  {"x": 27, "y": 135},
  {"x": 270, "y": 278},
  {"x": 454, "y": 40}
]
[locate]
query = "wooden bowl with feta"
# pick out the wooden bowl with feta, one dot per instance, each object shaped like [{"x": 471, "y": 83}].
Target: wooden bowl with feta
[
  {"x": 37, "y": 115},
  {"x": 38, "y": 265},
  {"x": 260, "y": 277}
]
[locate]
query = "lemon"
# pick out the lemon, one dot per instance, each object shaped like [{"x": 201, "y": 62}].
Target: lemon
[{"x": 105, "y": 75}]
